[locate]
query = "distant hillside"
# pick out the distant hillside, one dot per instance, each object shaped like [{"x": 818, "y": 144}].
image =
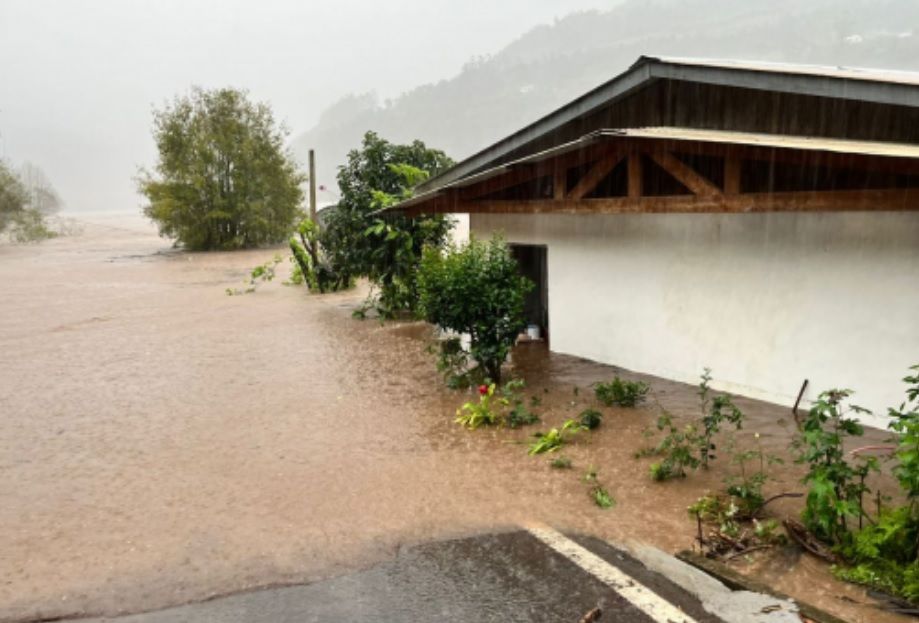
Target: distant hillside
[{"x": 554, "y": 63}]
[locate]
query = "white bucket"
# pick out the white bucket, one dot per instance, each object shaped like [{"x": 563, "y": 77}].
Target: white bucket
[{"x": 533, "y": 331}]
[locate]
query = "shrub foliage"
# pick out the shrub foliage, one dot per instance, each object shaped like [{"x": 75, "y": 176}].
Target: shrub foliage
[{"x": 476, "y": 289}]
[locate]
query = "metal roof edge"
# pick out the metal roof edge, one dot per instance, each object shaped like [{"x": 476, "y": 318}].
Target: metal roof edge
[
  {"x": 617, "y": 87},
  {"x": 817, "y": 81}
]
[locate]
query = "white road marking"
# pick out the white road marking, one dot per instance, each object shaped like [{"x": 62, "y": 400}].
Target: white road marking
[{"x": 633, "y": 591}]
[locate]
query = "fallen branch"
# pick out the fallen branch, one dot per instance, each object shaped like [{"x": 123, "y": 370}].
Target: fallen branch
[{"x": 808, "y": 541}]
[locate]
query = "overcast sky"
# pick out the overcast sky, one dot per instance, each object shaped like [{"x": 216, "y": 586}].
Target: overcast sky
[{"x": 78, "y": 78}]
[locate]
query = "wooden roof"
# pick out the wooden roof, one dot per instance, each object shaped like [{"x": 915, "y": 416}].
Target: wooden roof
[
  {"x": 668, "y": 169},
  {"x": 779, "y": 98}
]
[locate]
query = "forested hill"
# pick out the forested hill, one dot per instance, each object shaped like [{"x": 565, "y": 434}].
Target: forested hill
[{"x": 551, "y": 64}]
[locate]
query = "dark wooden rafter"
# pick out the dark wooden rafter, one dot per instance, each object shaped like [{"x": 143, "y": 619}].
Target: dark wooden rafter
[
  {"x": 635, "y": 174},
  {"x": 685, "y": 175},
  {"x": 594, "y": 176},
  {"x": 706, "y": 196},
  {"x": 510, "y": 179},
  {"x": 559, "y": 181},
  {"x": 813, "y": 201},
  {"x": 732, "y": 165}
]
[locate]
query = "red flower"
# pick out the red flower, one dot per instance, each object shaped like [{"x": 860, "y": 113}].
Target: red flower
[{"x": 483, "y": 389}]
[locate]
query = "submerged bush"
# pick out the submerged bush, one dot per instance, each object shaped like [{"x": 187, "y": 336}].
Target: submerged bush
[
  {"x": 224, "y": 179},
  {"x": 836, "y": 485},
  {"x": 555, "y": 438},
  {"x": 692, "y": 445},
  {"x": 590, "y": 418},
  {"x": 476, "y": 289},
  {"x": 495, "y": 407},
  {"x": 621, "y": 393},
  {"x": 884, "y": 554}
]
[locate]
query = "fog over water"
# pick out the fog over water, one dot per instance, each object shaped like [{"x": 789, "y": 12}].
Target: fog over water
[{"x": 78, "y": 78}]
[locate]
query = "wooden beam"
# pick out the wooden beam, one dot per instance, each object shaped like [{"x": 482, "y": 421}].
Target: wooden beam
[
  {"x": 531, "y": 171},
  {"x": 802, "y": 157},
  {"x": 594, "y": 176},
  {"x": 685, "y": 175},
  {"x": 732, "y": 164},
  {"x": 635, "y": 175},
  {"x": 559, "y": 181},
  {"x": 888, "y": 200},
  {"x": 500, "y": 182}
]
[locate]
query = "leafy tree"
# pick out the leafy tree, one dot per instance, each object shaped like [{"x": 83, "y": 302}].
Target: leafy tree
[
  {"x": 224, "y": 179},
  {"x": 14, "y": 198},
  {"x": 24, "y": 204},
  {"x": 42, "y": 196},
  {"x": 476, "y": 289},
  {"x": 359, "y": 243},
  {"x": 396, "y": 244}
]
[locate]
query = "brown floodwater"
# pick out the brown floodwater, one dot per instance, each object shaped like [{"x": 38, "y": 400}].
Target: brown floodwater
[{"x": 163, "y": 442}]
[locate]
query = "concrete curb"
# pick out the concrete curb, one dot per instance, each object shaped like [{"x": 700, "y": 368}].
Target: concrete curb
[
  {"x": 725, "y": 603},
  {"x": 737, "y": 581}
]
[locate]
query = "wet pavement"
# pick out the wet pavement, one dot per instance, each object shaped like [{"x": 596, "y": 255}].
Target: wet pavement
[{"x": 504, "y": 577}]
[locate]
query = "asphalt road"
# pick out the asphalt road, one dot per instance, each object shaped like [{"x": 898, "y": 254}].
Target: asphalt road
[{"x": 515, "y": 576}]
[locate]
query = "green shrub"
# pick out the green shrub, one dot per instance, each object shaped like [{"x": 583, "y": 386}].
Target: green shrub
[
  {"x": 883, "y": 555},
  {"x": 621, "y": 393},
  {"x": 590, "y": 418},
  {"x": 476, "y": 289},
  {"x": 835, "y": 485},
  {"x": 677, "y": 448},
  {"x": 560, "y": 462},
  {"x": 601, "y": 497}
]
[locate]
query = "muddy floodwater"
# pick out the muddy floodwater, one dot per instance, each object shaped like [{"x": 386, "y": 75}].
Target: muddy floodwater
[{"x": 163, "y": 442}]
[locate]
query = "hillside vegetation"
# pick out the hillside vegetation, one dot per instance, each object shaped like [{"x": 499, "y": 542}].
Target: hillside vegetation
[{"x": 551, "y": 64}]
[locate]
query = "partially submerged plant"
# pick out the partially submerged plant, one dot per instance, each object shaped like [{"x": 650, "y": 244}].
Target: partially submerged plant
[
  {"x": 692, "y": 445},
  {"x": 835, "y": 486},
  {"x": 453, "y": 363},
  {"x": 621, "y": 393},
  {"x": 884, "y": 554},
  {"x": 555, "y": 438},
  {"x": 677, "y": 449},
  {"x": 519, "y": 415},
  {"x": 475, "y": 414},
  {"x": 730, "y": 532},
  {"x": 260, "y": 274},
  {"x": 714, "y": 412},
  {"x": 560, "y": 462},
  {"x": 590, "y": 418},
  {"x": 495, "y": 407},
  {"x": 746, "y": 487},
  {"x": 601, "y": 497}
]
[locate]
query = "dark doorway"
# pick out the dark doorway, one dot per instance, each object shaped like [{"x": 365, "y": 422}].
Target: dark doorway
[{"x": 533, "y": 266}]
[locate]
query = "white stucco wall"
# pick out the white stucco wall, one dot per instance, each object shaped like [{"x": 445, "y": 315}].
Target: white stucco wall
[{"x": 765, "y": 300}]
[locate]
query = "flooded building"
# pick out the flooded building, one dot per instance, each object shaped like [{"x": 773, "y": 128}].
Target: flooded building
[{"x": 759, "y": 219}]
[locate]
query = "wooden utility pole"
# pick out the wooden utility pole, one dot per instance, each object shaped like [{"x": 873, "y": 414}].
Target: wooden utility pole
[{"x": 313, "y": 208}]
